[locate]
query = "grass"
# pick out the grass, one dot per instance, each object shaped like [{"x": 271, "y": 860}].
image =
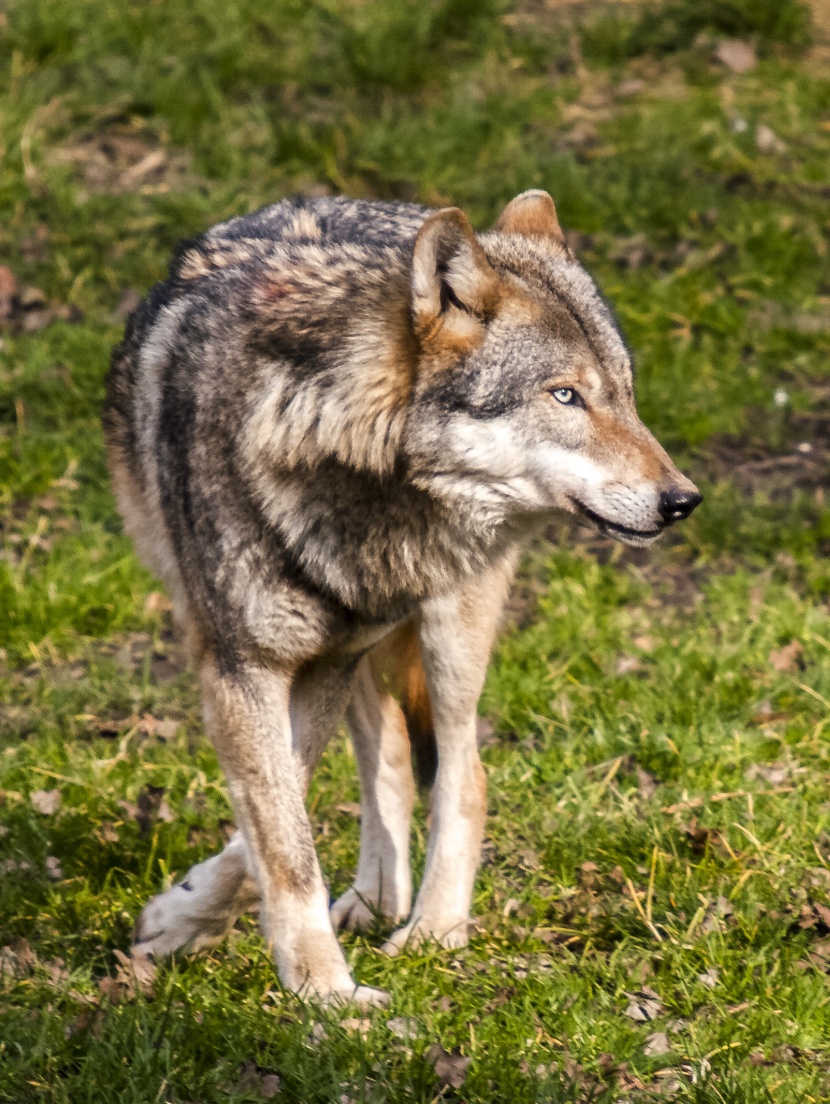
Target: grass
[{"x": 659, "y": 835}]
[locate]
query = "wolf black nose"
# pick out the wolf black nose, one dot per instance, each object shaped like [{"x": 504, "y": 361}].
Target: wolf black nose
[{"x": 677, "y": 505}]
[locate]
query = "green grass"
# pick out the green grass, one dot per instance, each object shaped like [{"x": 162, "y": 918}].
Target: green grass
[{"x": 659, "y": 814}]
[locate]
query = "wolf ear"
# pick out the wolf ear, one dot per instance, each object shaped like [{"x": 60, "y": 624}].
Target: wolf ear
[
  {"x": 533, "y": 215},
  {"x": 454, "y": 289}
]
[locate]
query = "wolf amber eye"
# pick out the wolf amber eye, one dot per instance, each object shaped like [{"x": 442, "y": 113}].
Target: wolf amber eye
[{"x": 566, "y": 395}]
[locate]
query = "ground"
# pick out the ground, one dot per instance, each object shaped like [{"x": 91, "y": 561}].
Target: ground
[{"x": 653, "y": 912}]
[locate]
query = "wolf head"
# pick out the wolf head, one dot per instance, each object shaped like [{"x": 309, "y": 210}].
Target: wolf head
[{"x": 524, "y": 398}]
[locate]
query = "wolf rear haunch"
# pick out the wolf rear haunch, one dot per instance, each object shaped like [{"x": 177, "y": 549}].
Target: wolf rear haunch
[{"x": 330, "y": 432}]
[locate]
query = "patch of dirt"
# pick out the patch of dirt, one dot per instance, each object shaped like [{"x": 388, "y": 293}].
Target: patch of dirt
[
  {"x": 800, "y": 462},
  {"x": 124, "y": 157},
  {"x": 25, "y": 309}
]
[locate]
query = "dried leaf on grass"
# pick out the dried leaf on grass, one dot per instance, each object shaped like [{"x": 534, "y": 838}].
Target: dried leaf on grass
[
  {"x": 17, "y": 959},
  {"x": 358, "y": 1024},
  {"x": 815, "y": 915},
  {"x": 699, "y": 838},
  {"x": 646, "y": 784},
  {"x": 45, "y": 802},
  {"x": 405, "y": 1027},
  {"x": 774, "y": 773},
  {"x": 54, "y": 871},
  {"x": 124, "y": 157},
  {"x": 737, "y": 56},
  {"x": 786, "y": 658},
  {"x": 767, "y": 141},
  {"x": 627, "y": 665},
  {"x": 90, "y": 1019},
  {"x": 253, "y": 1081},
  {"x": 149, "y": 807},
  {"x": 133, "y": 974},
  {"x": 656, "y": 1044},
  {"x": 645, "y": 1005},
  {"x": 26, "y": 309},
  {"x": 715, "y": 916},
  {"x": 450, "y": 1065},
  {"x": 710, "y": 978}
]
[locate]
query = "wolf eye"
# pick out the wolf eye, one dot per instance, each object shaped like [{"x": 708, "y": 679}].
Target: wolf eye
[{"x": 566, "y": 395}]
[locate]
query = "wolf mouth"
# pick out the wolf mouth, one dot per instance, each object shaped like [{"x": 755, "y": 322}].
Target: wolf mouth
[{"x": 612, "y": 528}]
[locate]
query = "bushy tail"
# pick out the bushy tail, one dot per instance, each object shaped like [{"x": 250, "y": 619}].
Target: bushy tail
[{"x": 397, "y": 665}]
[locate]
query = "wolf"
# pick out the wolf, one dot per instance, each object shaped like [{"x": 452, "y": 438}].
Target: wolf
[{"x": 331, "y": 430}]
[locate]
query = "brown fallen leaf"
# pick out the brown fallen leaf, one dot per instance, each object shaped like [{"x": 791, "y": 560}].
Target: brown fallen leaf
[
  {"x": 699, "y": 837},
  {"x": 133, "y": 975},
  {"x": 646, "y": 783},
  {"x": 767, "y": 141},
  {"x": 144, "y": 972},
  {"x": 450, "y": 1065},
  {"x": 656, "y": 1044},
  {"x": 254, "y": 1081},
  {"x": 358, "y": 1024},
  {"x": 644, "y": 1005},
  {"x": 738, "y": 56},
  {"x": 786, "y": 658},
  {"x": 774, "y": 773},
  {"x": 626, "y": 665},
  {"x": 45, "y": 802},
  {"x": 148, "y": 804},
  {"x": 53, "y": 869},
  {"x": 156, "y": 601},
  {"x": 710, "y": 978},
  {"x": 107, "y": 832},
  {"x": 350, "y": 808},
  {"x": 405, "y": 1027},
  {"x": 17, "y": 959},
  {"x": 90, "y": 1019},
  {"x": 631, "y": 87},
  {"x": 8, "y": 292},
  {"x": 25, "y": 308},
  {"x": 57, "y": 971}
]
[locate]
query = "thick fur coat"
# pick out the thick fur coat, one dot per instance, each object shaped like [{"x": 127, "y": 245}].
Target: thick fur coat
[{"x": 330, "y": 431}]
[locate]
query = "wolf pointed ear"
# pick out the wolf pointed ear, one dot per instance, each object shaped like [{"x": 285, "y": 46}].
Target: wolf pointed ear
[
  {"x": 454, "y": 288},
  {"x": 533, "y": 215}
]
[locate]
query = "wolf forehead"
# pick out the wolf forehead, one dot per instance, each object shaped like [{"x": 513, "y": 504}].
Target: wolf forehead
[{"x": 302, "y": 264}]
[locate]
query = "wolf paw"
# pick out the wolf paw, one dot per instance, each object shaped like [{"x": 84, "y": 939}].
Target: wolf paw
[
  {"x": 362, "y": 996},
  {"x": 167, "y": 924},
  {"x": 447, "y": 933},
  {"x": 356, "y": 911}
]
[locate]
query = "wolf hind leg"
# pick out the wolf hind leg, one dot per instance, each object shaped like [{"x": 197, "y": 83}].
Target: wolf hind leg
[
  {"x": 383, "y": 883},
  {"x": 199, "y": 911}
]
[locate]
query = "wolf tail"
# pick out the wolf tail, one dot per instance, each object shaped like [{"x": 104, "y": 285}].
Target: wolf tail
[{"x": 398, "y": 669}]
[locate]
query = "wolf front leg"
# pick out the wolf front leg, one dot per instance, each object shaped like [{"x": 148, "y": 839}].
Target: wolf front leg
[
  {"x": 387, "y": 791},
  {"x": 248, "y": 717},
  {"x": 199, "y": 911},
  {"x": 456, "y": 636}
]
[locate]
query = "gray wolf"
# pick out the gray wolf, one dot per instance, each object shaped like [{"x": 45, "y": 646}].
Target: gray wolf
[{"x": 330, "y": 432}]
